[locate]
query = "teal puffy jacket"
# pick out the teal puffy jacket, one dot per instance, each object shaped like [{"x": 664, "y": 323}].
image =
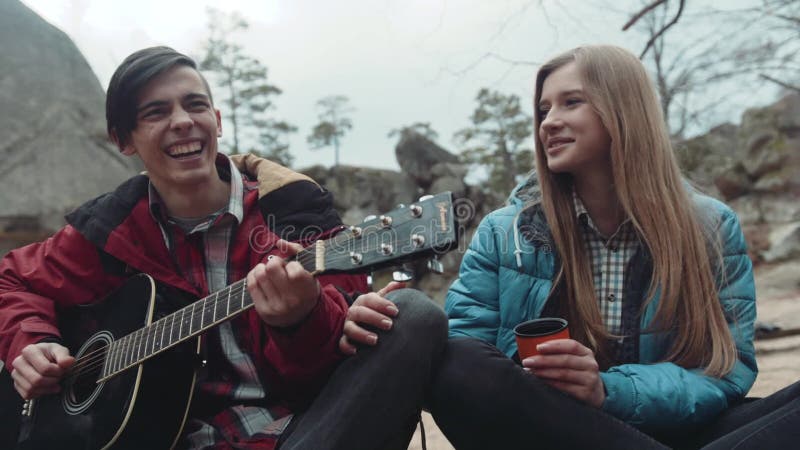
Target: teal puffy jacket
[{"x": 506, "y": 276}]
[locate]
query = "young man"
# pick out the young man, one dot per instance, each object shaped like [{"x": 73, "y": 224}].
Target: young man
[{"x": 196, "y": 222}]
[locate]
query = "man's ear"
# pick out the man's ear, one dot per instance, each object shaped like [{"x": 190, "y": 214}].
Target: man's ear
[
  {"x": 125, "y": 149},
  {"x": 219, "y": 122}
]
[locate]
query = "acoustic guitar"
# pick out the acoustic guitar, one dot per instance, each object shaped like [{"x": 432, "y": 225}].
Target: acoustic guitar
[{"x": 137, "y": 351}]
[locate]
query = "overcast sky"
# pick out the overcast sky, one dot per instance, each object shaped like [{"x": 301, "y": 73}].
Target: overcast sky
[{"x": 399, "y": 61}]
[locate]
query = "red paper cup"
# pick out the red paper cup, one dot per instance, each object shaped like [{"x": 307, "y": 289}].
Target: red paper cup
[{"x": 534, "y": 332}]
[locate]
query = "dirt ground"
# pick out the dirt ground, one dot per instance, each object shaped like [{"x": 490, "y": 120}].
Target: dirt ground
[{"x": 778, "y": 289}]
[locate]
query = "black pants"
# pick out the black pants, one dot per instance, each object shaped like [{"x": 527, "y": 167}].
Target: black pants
[
  {"x": 768, "y": 423},
  {"x": 482, "y": 399},
  {"x": 373, "y": 399}
]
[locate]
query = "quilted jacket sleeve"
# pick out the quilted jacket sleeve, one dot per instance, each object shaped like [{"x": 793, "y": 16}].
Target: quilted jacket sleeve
[{"x": 472, "y": 302}]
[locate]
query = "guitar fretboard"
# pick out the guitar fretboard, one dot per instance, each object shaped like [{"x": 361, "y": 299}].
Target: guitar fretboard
[
  {"x": 187, "y": 322},
  {"x": 177, "y": 327}
]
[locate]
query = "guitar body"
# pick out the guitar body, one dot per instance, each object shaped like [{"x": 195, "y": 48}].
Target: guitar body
[{"x": 141, "y": 408}]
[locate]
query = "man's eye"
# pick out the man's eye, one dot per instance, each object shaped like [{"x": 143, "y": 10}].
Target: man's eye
[
  {"x": 150, "y": 113},
  {"x": 198, "y": 105}
]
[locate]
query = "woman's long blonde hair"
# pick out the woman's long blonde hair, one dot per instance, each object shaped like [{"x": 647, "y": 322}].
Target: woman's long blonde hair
[{"x": 651, "y": 191}]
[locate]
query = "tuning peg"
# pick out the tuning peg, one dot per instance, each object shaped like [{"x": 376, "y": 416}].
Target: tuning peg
[
  {"x": 435, "y": 266},
  {"x": 370, "y": 217},
  {"x": 402, "y": 275},
  {"x": 425, "y": 197}
]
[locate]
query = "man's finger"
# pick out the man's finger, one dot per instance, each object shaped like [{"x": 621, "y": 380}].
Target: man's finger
[
  {"x": 38, "y": 360},
  {"x": 288, "y": 248},
  {"x": 392, "y": 286},
  {"x": 346, "y": 347},
  {"x": 364, "y": 315},
  {"x": 60, "y": 355},
  {"x": 358, "y": 335},
  {"x": 377, "y": 303}
]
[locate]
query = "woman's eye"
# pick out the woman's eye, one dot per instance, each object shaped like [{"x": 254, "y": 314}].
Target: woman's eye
[{"x": 573, "y": 101}]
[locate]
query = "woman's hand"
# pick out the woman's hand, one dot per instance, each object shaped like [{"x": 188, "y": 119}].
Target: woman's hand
[
  {"x": 372, "y": 310},
  {"x": 569, "y": 366}
]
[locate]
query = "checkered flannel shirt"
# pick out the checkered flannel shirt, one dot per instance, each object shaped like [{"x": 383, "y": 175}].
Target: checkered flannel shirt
[
  {"x": 609, "y": 258},
  {"x": 231, "y": 377}
]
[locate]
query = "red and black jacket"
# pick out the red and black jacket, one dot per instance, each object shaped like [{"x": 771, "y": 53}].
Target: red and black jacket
[{"x": 114, "y": 236}]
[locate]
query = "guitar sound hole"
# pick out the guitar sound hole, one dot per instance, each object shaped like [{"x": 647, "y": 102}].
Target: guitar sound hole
[{"x": 82, "y": 387}]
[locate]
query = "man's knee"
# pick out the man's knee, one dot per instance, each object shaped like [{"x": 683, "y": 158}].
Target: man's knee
[{"x": 419, "y": 313}]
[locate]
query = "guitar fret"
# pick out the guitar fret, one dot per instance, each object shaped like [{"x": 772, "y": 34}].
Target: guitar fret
[
  {"x": 216, "y": 301},
  {"x": 180, "y": 329},
  {"x": 172, "y": 330},
  {"x": 140, "y": 334},
  {"x": 108, "y": 356},
  {"x": 191, "y": 319},
  {"x": 123, "y": 352},
  {"x": 117, "y": 352},
  {"x": 228, "y": 302},
  {"x": 126, "y": 352},
  {"x": 244, "y": 289},
  {"x": 163, "y": 330},
  {"x": 202, "y": 313},
  {"x": 150, "y": 341}
]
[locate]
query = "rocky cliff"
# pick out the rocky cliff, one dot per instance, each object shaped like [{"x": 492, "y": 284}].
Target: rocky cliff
[{"x": 54, "y": 153}]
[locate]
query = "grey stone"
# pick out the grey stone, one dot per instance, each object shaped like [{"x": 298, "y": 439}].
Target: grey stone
[
  {"x": 54, "y": 154},
  {"x": 417, "y": 156},
  {"x": 784, "y": 243}
]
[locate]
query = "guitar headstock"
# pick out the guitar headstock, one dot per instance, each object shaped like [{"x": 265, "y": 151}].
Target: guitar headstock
[{"x": 424, "y": 228}]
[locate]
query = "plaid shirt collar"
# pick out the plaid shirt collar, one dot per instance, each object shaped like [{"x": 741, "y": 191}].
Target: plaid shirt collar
[
  {"x": 582, "y": 214},
  {"x": 235, "y": 207}
]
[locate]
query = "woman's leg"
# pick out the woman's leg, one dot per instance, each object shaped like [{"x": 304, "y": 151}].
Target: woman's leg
[
  {"x": 770, "y": 422},
  {"x": 481, "y": 399}
]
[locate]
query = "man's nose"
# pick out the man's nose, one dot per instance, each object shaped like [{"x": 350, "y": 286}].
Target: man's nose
[{"x": 181, "y": 120}]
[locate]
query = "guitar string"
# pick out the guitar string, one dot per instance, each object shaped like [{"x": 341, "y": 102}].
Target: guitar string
[{"x": 95, "y": 359}]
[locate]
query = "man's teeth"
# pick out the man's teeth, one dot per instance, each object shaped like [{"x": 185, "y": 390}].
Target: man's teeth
[{"x": 181, "y": 149}]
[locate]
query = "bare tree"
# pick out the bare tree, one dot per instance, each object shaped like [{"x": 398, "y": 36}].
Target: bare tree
[{"x": 698, "y": 78}]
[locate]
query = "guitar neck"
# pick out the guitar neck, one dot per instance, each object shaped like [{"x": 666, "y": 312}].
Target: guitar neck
[
  {"x": 190, "y": 321},
  {"x": 406, "y": 233}
]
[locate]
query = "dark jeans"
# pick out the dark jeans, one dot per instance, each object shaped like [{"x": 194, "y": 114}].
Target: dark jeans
[
  {"x": 768, "y": 423},
  {"x": 482, "y": 399},
  {"x": 373, "y": 399}
]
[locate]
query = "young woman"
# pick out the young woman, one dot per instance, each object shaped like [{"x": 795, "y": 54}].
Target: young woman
[{"x": 653, "y": 278}]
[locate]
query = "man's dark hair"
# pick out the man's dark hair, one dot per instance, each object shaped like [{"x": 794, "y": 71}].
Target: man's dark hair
[{"x": 129, "y": 78}]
